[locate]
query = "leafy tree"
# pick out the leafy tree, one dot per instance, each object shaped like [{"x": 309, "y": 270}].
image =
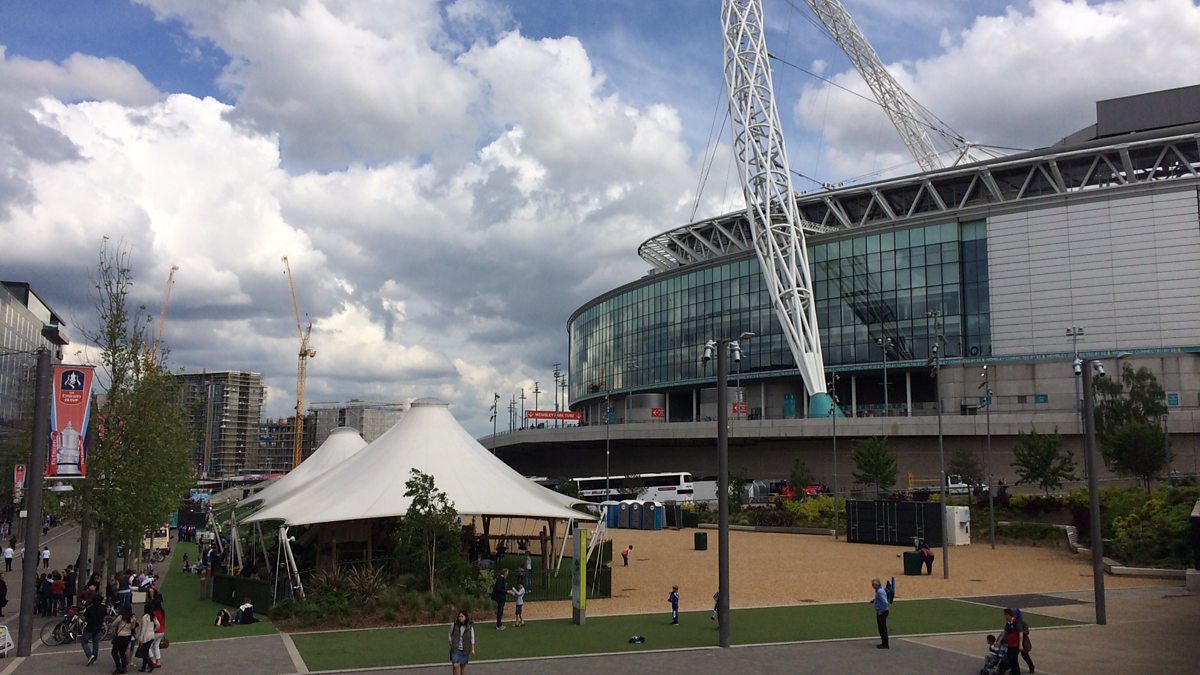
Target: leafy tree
[
  {"x": 140, "y": 465},
  {"x": 1139, "y": 449},
  {"x": 429, "y": 542},
  {"x": 875, "y": 463},
  {"x": 568, "y": 487},
  {"x": 1135, "y": 396},
  {"x": 965, "y": 463},
  {"x": 1040, "y": 459},
  {"x": 801, "y": 476},
  {"x": 737, "y": 485}
]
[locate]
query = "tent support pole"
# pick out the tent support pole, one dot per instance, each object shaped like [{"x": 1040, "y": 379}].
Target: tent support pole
[
  {"x": 562, "y": 551},
  {"x": 293, "y": 570},
  {"x": 275, "y": 573}
]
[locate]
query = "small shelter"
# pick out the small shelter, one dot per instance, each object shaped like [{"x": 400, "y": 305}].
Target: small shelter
[{"x": 341, "y": 444}]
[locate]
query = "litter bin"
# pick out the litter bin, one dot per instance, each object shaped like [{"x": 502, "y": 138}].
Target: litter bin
[
  {"x": 912, "y": 564},
  {"x": 701, "y": 541}
]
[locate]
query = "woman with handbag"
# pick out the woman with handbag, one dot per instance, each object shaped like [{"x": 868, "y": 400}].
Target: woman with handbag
[
  {"x": 146, "y": 628},
  {"x": 122, "y": 628},
  {"x": 160, "y": 633}
]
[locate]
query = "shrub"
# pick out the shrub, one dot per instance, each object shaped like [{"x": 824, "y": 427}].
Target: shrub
[
  {"x": 1032, "y": 505},
  {"x": 1157, "y": 532},
  {"x": 1029, "y": 531},
  {"x": 365, "y": 583}
]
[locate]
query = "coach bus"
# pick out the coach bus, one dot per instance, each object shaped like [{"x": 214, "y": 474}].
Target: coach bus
[{"x": 660, "y": 487}]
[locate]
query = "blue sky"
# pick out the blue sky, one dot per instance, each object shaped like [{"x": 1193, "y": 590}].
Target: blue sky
[{"x": 451, "y": 179}]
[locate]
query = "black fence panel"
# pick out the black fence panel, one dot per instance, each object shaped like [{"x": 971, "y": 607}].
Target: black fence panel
[
  {"x": 893, "y": 523},
  {"x": 231, "y": 591}
]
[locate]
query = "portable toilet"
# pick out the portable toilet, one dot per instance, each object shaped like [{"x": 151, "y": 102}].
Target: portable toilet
[
  {"x": 647, "y": 516},
  {"x": 660, "y": 515},
  {"x": 623, "y": 514},
  {"x": 612, "y": 513},
  {"x": 635, "y": 515}
]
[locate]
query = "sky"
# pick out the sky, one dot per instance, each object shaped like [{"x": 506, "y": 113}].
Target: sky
[{"x": 451, "y": 179}]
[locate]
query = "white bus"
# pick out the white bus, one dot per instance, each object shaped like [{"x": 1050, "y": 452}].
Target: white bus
[{"x": 670, "y": 486}]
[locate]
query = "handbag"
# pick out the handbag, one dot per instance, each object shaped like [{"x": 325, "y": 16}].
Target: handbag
[{"x": 165, "y": 643}]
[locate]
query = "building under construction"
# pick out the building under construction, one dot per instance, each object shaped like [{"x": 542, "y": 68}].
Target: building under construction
[
  {"x": 370, "y": 418},
  {"x": 223, "y": 409}
]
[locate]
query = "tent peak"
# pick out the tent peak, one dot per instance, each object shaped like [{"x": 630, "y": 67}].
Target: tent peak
[
  {"x": 429, "y": 403},
  {"x": 344, "y": 430}
]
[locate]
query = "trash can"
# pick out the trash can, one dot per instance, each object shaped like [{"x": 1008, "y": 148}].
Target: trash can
[
  {"x": 701, "y": 541},
  {"x": 912, "y": 564}
]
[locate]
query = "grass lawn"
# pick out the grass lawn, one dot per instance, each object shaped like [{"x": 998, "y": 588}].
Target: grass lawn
[
  {"x": 429, "y": 644},
  {"x": 191, "y": 618}
]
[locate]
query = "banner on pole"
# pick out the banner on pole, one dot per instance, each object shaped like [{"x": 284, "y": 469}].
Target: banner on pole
[
  {"x": 18, "y": 482},
  {"x": 70, "y": 411}
]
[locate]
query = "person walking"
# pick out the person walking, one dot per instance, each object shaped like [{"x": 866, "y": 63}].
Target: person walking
[
  {"x": 462, "y": 643},
  {"x": 499, "y": 595},
  {"x": 93, "y": 627},
  {"x": 147, "y": 627},
  {"x": 1026, "y": 645},
  {"x": 3, "y": 594},
  {"x": 123, "y": 631},
  {"x": 881, "y": 613},
  {"x": 8, "y": 557},
  {"x": 45, "y": 557},
  {"x": 1012, "y": 641},
  {"x": 160, "y": 633}
]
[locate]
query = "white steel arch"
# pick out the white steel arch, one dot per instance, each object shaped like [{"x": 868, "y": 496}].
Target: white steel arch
[{"x": 775, "y": 224}]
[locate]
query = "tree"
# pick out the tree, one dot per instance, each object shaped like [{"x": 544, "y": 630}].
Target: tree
[
  {"x": 800, "y": 476},
  {"x": 1040, "y": 459},
  {"x": 965, "y": 463},
  {"x": 876, "y": 464},
  {"x": 1139, "y": 449},
  {"x": 1135, "y": 396},
  {"x": 140, "y": 465},
  {"x": 429, "y": 542}
]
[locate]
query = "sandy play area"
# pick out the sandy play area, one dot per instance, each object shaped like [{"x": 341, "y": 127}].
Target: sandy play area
[{"x": 786, "y": 569}]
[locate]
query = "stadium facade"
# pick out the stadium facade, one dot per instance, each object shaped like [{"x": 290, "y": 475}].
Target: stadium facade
[{"x": 1091, "y": 246}]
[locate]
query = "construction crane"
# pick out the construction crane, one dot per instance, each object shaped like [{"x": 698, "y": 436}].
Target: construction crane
[
  {"x": 929, "y": 139},
  {"x": 306, "y": 353},
  {"x": 775, "y": 222},
  {"x": 162, "y": 314}
]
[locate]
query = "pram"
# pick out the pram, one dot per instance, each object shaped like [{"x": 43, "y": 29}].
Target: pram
[{"x": 993, "y": 664}]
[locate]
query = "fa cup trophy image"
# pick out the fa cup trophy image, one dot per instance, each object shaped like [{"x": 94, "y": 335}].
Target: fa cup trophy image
[{"x": 69, "y": 450}]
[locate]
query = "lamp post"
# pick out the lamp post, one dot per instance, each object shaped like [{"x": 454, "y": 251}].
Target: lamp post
[
  {"x": 536, "y": 392},
  {"x": 1075, "y": 334},
  {"x": 495, "y": 403},
  {"x": 557, "y": 377},
  {"x": 884, "y": 343},
  {"x": 936, "y": 360},
  {"x": 1089, "y": 457},
  {"x": 33, "y": 502},
  {"x": 608, "y": 414},
  {"x": 833, "y": 412},
  {"x": 522, "y": 407},
  {"x": 724, "y": 348},
  {"x": 987, "y": 389}
]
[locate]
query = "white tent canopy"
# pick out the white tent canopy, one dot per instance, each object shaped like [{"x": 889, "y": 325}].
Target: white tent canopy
[
  {"x": 370, "y": 484},
  {"x": 342, "y": 443}
]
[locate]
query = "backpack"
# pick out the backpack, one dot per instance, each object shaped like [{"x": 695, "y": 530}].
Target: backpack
[{"x": 890, "y": 589}]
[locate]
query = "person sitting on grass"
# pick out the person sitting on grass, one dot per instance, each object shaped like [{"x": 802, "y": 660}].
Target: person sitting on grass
[
  {"x": 245, "y": 613},
  {"x": 224, "y": 618}
]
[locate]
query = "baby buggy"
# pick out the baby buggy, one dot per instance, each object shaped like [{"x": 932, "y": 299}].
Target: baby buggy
[{"x": 993, "y": 663}]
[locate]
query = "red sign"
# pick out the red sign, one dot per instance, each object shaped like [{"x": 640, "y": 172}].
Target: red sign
[
  {"x": 69, "y": 418},
  {"x": 553, "y": 415},
  {"x": 738, "y": 408},
  {"x": 658, "y": 412}
]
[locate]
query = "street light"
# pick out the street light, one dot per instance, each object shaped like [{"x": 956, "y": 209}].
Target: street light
[
  {"x": 536, "y": 392},
  {"x": 833, "y": 412},
  {"x": 557, "y": 376},
  {"x": 1089, "y": 461},
  {"x": 884, "y": 343},
  {"x": 1075, "y": 334},
  {"x": 936, "y": 360},
  {"x": 33, "y": 501},
  {"x": 986, "y": 385},
  {"x": 724, "y": 348}
]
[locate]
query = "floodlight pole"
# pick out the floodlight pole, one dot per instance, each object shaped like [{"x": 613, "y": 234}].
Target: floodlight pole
[
  {"x": 33, "y": 502},
  {"x": 937, "y": 375},
  {"x": 1089, "y": 456},
  {"x": 723, "y": 493},
  {"x": 987, "y": 388},
  {"x": 833, "y": 412}
]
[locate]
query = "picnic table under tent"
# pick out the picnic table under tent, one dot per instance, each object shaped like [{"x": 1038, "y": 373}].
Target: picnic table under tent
[{"x": 346, "y": 508}]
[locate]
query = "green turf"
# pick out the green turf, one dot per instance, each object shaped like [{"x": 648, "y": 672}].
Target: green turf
[
  {"x": 190, "y": 618},
  {"x": 429, "y": 645}
]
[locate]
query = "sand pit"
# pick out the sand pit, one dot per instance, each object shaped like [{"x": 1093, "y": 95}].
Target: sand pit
[{"x": 788, "y": 569}]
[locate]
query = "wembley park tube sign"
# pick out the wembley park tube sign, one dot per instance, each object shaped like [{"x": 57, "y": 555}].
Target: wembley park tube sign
[{"x": 553, "y": 415}]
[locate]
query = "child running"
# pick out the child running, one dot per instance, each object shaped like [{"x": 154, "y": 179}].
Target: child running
[
  {"x": 673, "y": 598},
  {"x": 518, "y": 592}
]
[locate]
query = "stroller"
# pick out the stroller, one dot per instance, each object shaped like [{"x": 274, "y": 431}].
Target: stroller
[{"x": 993, "y": 663}]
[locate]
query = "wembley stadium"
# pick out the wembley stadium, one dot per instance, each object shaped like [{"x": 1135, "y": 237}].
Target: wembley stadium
[{"x": 1089, "y": 246}]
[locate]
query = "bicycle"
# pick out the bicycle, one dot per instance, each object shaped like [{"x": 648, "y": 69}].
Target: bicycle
[{"x": 62, "y": 630}]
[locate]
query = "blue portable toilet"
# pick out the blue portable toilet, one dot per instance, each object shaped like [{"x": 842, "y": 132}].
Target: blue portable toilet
[
  {"x": 612, "y": 513},
  {"x": 635, "y": 515},
  {"x": 660, "y": 515},
  {"x": 623, "y": 514},
  {"x": 647, "y": 515}
]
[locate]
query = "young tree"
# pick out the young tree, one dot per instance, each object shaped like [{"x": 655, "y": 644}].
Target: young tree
[
  {"x": 429, "y": 541},
  {"x": 876, "y": 464},
  {"x": 800, "y": 476},
  {"x": 1040, "y": 459},
  {"x": 1134, "y": 396},
  {"x": 140, "y": 465},
  {"x": 1139, "y": 449},
  {"x": 965, "y": 463}
]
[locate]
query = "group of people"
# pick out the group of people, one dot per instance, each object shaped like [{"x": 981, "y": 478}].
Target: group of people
[
  {"x": 133, "y": 637},
  {"x": 55, "y": 591},
  {"x": 1003, "y": 653},
  {"x": 243, "y": 615},
  {"x": 673, "y": 600},
  {"x": 500, "y": 595}
]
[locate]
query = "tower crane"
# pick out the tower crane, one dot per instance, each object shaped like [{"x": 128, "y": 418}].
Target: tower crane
[
  {"x": 775, "y": 222},
  {"x": 162, "y": 314},
  {"x": 912, "y": 120},
  {"x": 306, "y": 353}
]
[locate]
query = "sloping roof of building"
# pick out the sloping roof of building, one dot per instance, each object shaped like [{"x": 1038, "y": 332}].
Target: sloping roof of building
[
  {"x": 342, "y": 443},
  {"x": 370, "y": 484}
]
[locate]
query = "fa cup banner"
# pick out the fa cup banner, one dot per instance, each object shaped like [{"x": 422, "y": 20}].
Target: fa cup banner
[{"x": 69, "y": 416}]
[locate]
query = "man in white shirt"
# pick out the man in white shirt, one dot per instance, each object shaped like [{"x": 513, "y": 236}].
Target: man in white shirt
[
  {"x": 46, "y": 557},
  {"x": 8, "y": 556}
]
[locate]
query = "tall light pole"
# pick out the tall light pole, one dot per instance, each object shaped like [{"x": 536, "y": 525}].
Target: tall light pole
[
  {"x": 986, "y": 385},
  {"x": 723, "y": 347},
  {"x": 1089, "y": 457},
  {"x": 833, "y": 412},
  {"x": 536, "y": 392},
  {"x": 495, "y": 404},
  {"x": 608, "y": 415},
  {"x": 33, "y": 502},
  {"x": 563, "y": 385},
  {"x": 936, "y": 359},
  {"x": 1075, "y": 334},
  {"x": 557, "y": 377},
  {"x": 522, "y": 407},
  {"x": 884, "y": 343}
]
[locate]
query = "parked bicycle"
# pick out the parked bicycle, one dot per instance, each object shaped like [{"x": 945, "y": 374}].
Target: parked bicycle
[{"x": 69, "y": 627}]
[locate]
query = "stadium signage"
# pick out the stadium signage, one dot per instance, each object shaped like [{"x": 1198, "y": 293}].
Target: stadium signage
[{"x": 553, "y": 415}]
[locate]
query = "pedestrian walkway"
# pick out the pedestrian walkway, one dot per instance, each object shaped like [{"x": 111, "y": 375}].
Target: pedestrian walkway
[
  {"x": 1151, "y": 629},
  {"x": 63, "y": 541}
]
